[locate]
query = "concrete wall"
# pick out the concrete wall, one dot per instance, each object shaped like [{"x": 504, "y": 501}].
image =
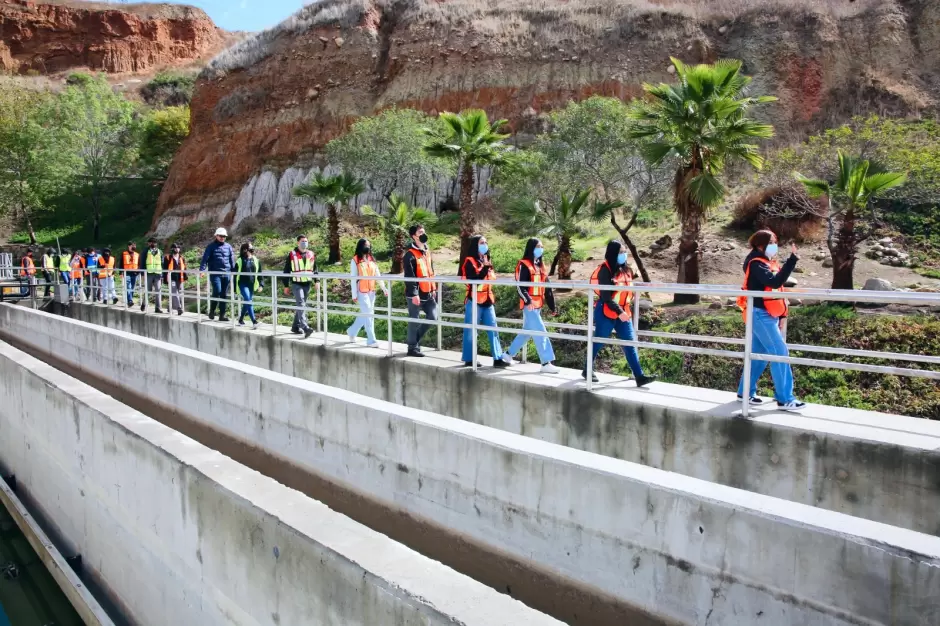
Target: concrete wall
[
  {"x": 177, "y": 534},
  {"x": 677, "y": 547},
  {"x": 879, "y": 467}
]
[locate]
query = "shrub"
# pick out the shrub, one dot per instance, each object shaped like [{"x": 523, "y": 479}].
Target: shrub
[
  {"x": 169, "y": 89},
  {"x": 238, "y": 101},
  {"x": 787, "y": 211}
]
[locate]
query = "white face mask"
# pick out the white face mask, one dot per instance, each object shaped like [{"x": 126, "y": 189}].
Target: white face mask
[
  {"x": 302, "y": 245},
  {"x": 772, "y": 250}
]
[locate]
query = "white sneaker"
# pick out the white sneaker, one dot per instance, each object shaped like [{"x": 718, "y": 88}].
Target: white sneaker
[
  {"x": 506, "y": 358},
  {"x": 374, "y": 344},
  {"x": 549, "y": 368},
  {"x": 255, "y": 326},
  {"x": 351, "y": 338},
  {"x": 792, "y": 406}
]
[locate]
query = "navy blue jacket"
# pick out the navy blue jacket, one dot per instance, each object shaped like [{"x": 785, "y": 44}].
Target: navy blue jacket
[
  {"x": 760, "y": 275},
  {"x": 218, "y": 257}
]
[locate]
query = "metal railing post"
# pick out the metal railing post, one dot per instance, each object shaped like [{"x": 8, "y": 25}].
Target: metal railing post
[
  {"x": 198, "y": 298},
  {"x": 231, "y": 299},
  {"x": 636, "y": 313},
  {"x": 388, "y": 314},
  {"x": 473, "y": 316},
  {"x": 748, "y": 348},
  {"x": 589, "y": 361},
  {"x": 316, "y": 299},
  {"x": 326, "y": 322},
  {"x": 274, "y": 306},
  {"x": 124, "y": 275},
  {"x": 440, "y": 315}
]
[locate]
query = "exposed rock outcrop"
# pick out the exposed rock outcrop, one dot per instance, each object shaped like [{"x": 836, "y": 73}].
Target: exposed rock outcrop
[
  {"x": 264, "y": 108},
  {"x": 50, "y": 38}
]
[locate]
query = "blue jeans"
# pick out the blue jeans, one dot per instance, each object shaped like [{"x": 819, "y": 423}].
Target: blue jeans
[
  {"x": 219, "y": 295},
  {"x": 247, "y": 293},
  {"x": 130, "y": 283},
  {"x": 366, "y": 305},
  {"x": 532, "y": 320},
  {"x": 75, "y": 287},
  {"x": 604, "y": 326},
  {"x": 769, "y": 340},
  {"x": 486, "y": 316}
]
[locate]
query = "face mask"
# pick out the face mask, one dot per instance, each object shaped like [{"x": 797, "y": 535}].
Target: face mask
[
  {"x": 538, "y": 252},
  {"x": 484, "y": 249},
  {"x": 367, "y": 251},
  {"x": 302, "y": 245},
  {"x": 423, "y": 238},
  {"x": 622, "y": 258},
  {"x": 176, "y": 253},
  {"x": 772, "y": 250}
]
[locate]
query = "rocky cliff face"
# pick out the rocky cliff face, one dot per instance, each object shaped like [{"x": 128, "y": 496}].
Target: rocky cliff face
[
  {"x": 264, "y": 108},
  {"x": 48, "y": 38}
]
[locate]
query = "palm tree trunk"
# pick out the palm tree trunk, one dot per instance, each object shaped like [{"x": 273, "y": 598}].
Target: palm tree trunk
[
  {"x": 564, "y": 258},
  {"x": 691, "y": 215},
  {"x": 843, "y": 254},
  {"x": 467, "y": 218},
  {"x": 630, "y": 245},
  {"x": 333, "y": 225},
  {"x": 398, "y": 252}
]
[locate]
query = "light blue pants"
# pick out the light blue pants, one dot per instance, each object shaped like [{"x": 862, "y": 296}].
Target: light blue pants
[
  {"x": 486, "y": 316},
  {"x": 366, "y": 305},
  {"x": 532, "y": 320},
  {"x": 769, "y": 340}
]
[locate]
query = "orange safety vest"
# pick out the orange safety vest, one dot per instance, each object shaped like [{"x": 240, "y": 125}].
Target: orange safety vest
[
  {"x": 623, "y": 298},
  {"x": 181, "y": 276},
  {"x": 776, "y": 307},
  {"x": 105, "y": 270},
  {"x": 423, "y": 269},
  {"x": 366, "y": 267},
  {"x": 130, "y": 260},
  {"x": 77, "y": 264},
  {"x": 29, "y": 268},
  {"x": 536, "y": 293},
  {"x": 484, "y": 292}
]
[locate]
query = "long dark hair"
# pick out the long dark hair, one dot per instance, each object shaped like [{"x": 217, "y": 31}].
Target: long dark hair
[
  {"x": 529, "y": 254},
  {"x": 361, "y": 248},
  {"x": 243, "y": 250}
]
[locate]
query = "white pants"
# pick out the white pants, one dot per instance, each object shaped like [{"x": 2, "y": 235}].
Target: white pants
[
  {"x": 176, "y": 295},
  {"x": 366, "y": 305},
  {"x": 106, "y": 285}
]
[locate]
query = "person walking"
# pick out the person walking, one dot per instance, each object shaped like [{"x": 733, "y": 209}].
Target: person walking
[
  {"x": 247, "y": 282},
  {"x": 106, "y": 277},
  {"x": 477, "y": 266},
  {"x": 763, "y": 273},
  {"x": 91, "y": 275},
  {"x": 612, "y": 312},
  {"x": 531, "y": 269},
  {"x": 130, "y": 263},
  {"x": 219, "y": 257},
  {"x": 152, "y": 265},
  {"x": 301, "y": 267},
  {"x": 28, "y": 271},
  {"x": 63, "y": 263},
  {"x": 77, "y": 272},
  {"x": 420, "y": 295},
  {"x": 48, "y": 271},
  {"x": 174, "y": 267},
  {"x": 363, "y": 291}
]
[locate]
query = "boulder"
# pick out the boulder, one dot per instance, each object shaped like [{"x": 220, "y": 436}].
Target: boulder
[
  {"x": 715, "y": 305},
  {"x": 878, "y": 284},
  {"x": 728, "y": 247},
  {"x": 645, "y": 305},
  {"x": 663, "y": 242},
  {"x": 885, "y": 261},
  {"x": 892, "y": 252},
  {"x": 820, "y": 257},
  {"x": 827, "y": 262},
  {"x": 791, "y": 283},
  {"x": 885, "y": 241}
]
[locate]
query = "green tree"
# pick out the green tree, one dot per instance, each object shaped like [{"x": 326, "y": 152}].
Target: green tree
[
  {"x": 469, "y": 140},
  {"x": 561, "y": 220},
  {"x": 162, "y": 134},
  {"x": 849, "y": 202},
  {"x": 334, "y": 191},
  {"x": 702, "y": 120},
  {"x": 394, "y": 225},
  {"x": 387, "y": 151},
  {"x": 32, "y": 163},
  {"x": 169, "y": 89},
  {"x": 102, "y": 137}
]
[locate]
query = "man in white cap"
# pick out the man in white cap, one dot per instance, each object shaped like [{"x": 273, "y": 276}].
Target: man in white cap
[{"x": 219, "y": 257}]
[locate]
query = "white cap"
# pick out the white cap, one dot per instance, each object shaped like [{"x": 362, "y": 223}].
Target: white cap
[{"x": 221, "y": 232}]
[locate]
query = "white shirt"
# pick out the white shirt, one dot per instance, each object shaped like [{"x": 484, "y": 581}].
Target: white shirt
[{"x": 354, "y": 270}]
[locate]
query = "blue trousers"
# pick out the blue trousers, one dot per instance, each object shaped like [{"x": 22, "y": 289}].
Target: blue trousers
[
  {"x": 486, "y": 316},
  {"x": 769, "y": 340},
  {"x": 219, "y": 294},
  {"x": 604, "y": 327},
  {"x": 248, "y": 308},
  {"x": 130, "y": 283},
  {"x": 532, "y": 320}
]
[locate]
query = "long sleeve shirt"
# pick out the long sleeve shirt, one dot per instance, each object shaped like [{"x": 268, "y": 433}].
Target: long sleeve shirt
[
  {"x": 218, "y": 257},
  {"x": 471, "y": 273},
  {"x": 410, "y": 266},
  {"x": 354, "y": 271},
  {"x": 760, "y": 276},
  {"x": 604, "y": 277},
  {"x": 525, "y": 276},
  {"x": 288, "y": 269}
]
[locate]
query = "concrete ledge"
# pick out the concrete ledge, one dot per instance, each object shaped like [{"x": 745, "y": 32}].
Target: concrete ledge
[
  {"x": 880, "y": 467},
  {"x": 179, "y": 534},
  {"x": 675, "y": 546}
]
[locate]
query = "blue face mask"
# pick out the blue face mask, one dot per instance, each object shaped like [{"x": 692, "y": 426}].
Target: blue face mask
[
  {"x": 622, "y": 258},
  {"x": 538, "y": 252},
  {"x": 483, "y": 249},
  {"x": 772, "y": 250}
]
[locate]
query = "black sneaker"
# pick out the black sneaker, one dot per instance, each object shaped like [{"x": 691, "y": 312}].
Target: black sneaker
[
  {"x": 158, "y": 311},
  {"x": 179, "y": 311},
  {"x": 241, "y": 322},
  {"x": 297, "y": 331},
  {"x": 500, "y": 364},
  {"x": 114, "y": 301},
  {"x": 792, "y": 406},
  {"x": 754, "y": 401},
  {"x": 416, "y": 352},
  {"x": 594, "y": 378},
  {"x": 643, "y": 381},
  {"x": 307, "y": 332},
  {"x": 212, "y": 317},
  {"x": 224, "y": 319},
  {"x": 143, "y": 307}
]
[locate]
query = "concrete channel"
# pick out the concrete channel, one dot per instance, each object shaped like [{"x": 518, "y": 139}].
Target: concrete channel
[{"x": 612, "y": 536}]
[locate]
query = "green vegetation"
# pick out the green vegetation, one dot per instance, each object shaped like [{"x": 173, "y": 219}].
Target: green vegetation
[
  {"x": 395, "y": 223},
  {"x": 169, "y": 89},
  {"x": 335, "y": 192}
]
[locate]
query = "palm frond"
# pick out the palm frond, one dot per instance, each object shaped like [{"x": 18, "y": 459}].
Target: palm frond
[
  {"x": 706, "y": 190},
  {"x": 814, "y": 187}
]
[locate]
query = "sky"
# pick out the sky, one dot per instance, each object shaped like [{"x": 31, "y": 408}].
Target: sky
[{"x": 250, "y": 15}]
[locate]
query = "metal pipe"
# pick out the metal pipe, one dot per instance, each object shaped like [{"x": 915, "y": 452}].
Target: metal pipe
[
  {"x": 274, "y": 307},
  {"x": 588, "y": 359},
  {"x": 748, "y": 347},
  {"x": 473, "y": 326},
  {"x": 388, "y": 308}
]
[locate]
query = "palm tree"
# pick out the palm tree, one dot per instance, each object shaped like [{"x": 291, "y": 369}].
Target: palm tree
[
  {"x": 560, "y": 221},
  {"x": 702, "y": 121},
  {"x": 395, "y": 225},
  {"x": 469, "y": 139},
  {"x": 857, "y": 183},
  {"x": 335, "y": 192}
]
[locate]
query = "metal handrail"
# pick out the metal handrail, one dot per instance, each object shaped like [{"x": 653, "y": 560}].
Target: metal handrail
[{"x": 322, "y": 308}]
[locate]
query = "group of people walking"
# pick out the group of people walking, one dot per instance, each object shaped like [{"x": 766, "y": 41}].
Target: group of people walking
[{"x": 612, "y": 312}]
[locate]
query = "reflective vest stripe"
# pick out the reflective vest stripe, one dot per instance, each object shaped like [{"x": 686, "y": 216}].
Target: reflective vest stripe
[
  {"x": 366, "y": 267},
  {"x": 63, "y": 263},
  {"x": 537, "y": 276},
  {"x": 130, "y": 261},
  {"x": 154, "y": 262},
  {"x": 622, "y": 298},
  {"x": 77, "y": 265},
  {"x": 47, "y": 263},
  {"x": 238, "y": 272},
  {"x": 302, "y": 263},
  {"x": 423, "y": 269},
  {"x": 484, "y": 292},
  {"x": 105, "y": 268},
  {"x": 29, "y": 268},
  {"x": 776, "y": 307}
]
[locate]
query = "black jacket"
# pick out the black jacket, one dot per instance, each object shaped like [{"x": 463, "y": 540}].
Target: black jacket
[
  {"x": 605, "y": 277},
  {"x": 288, "y": 281},
  {"x": 525, "y": 276},
  {"x": 410, "y": 265},
  {"x": 761, "y": 276},
  {"x": 469, "y": 272}
]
